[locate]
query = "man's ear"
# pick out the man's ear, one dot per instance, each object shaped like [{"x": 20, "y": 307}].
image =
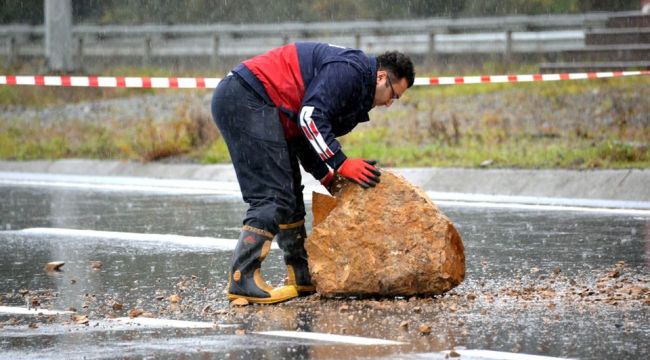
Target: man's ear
[{"x": 381, "y": 74}]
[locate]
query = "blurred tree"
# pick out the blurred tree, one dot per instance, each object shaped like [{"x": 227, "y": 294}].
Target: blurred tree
[
  {"x": 434, "y": 8},
  {"x": 257, "y": 11},
  {"x": 607, "y": 5},
  {"x": 523, "y": 7},
  {"x": 21, "y": 11}
]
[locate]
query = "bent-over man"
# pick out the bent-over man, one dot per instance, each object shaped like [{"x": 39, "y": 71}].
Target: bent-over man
[{"x": 284, "y": 108}]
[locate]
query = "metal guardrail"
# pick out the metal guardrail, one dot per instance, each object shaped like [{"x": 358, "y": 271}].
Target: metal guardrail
[
  {"x": 509, "y": 34},
  {"x": 441, "y": 25}
]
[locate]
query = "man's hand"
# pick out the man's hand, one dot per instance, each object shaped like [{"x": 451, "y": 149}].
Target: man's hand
[
  {"x": 328, "y": 181},
  {"x": 360, "y": 171}
]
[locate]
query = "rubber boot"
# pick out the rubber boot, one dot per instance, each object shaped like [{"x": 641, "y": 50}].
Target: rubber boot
[
  {"x": 245, "y": 280},
  {"x": 291, "y": 240}
]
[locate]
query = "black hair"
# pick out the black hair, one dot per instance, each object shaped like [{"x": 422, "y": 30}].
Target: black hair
[{"x": 397, "y": 64}]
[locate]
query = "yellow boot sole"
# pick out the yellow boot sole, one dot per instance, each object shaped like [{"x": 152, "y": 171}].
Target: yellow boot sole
[
  {"x": 278, "y": 295},
  {"x": 291, "y": 281}
]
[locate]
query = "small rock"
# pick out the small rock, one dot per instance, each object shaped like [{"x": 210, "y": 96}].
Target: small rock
[
  {"x": 159, "y": 297},
  {"x": 471, "y": 296},
  {"x": 534, "y": 270},
  {"x": 96, "y": 265},
  {"x": 240, "y": 332},
  {"x": 557, "y": 270},
  {"x": 404, "y": 325},
  {"x": 134, "y": 313},
  {"x": 454, "y": 354},
  {"x": 54, "y": 266},
  {"x": 486, "y": 163},
  {"x": 117, "y": 306},
  {"x": 344, "y": 308},
  {"x": 206, "y": 309},
  {"x": 417, "y": 309},
  {"x": 239, "y": 302},
  {"x": 182, "y": 285},
  {"x": 424, "y": 329},
  {"x": 23, "y": 292},
  {"x": 174, "y": 299},
  {"x": 80, "y": 319},
  {"x": 33, "y": 325}
]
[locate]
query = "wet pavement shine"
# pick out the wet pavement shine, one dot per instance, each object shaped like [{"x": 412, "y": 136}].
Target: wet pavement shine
[{"x": 539, "y": 282}]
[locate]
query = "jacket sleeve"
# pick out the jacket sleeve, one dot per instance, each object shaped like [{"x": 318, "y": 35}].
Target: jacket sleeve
[
  {"x": 332, "y": 90},
  {"x": 309, "y": 160}
]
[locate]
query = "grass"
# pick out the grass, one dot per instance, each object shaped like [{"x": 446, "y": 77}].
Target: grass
[
  {"x": 515, "y": 152},
  {"x": 141, "y": 139},
  {"x": 568, "y": 124}
]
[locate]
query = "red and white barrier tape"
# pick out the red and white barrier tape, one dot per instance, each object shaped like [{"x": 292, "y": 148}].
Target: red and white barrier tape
[
  {"x": 486, "y": 79},
  {"x": 112, "y": 82},
  {"x": 210, "y": 83}
]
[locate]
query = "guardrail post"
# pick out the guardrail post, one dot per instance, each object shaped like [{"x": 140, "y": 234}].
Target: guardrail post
[
  {"x": 58, "y": 35},
  {"x": 432, "y": 48},
  {"x": 146, "y": 60},
  {"x": 12, "y": 54},
  {"x": 508, "y": 50},
  {"x": 214, "y": 58},
  {"x": 80, "y": 52},
  {"x": 357, "y": 41}
]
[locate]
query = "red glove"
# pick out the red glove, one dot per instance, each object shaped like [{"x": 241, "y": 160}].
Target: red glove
[
  {"x": 360, "y": 171},
  {"x": 328, "y": 181}
]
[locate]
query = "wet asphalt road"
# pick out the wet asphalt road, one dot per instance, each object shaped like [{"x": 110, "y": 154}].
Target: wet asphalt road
[{"x": 553, "y": 283}]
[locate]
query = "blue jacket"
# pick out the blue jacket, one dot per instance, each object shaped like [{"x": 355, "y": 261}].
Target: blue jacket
[{"x": 322, "y": 91}]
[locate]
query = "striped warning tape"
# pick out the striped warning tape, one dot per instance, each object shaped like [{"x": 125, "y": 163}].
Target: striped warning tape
[
  {"x": 112, "y": 82},
  {"x": 210, "y": 83},
  {"x": 486, "y": 79}
]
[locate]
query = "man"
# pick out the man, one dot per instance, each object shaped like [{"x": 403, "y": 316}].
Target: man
[{"x": 286, "y": 107}]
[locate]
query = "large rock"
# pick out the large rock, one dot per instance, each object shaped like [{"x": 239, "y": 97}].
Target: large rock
[{"x": 391, "y": 240}]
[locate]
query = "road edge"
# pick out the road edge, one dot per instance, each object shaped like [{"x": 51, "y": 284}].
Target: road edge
[{"x": 606, "y": 184}]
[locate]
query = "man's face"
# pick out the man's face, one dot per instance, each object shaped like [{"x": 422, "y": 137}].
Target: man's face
[{"x": 388, "y": 89}]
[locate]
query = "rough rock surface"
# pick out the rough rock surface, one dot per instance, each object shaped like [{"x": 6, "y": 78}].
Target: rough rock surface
[{"x": 391, "y": 240}]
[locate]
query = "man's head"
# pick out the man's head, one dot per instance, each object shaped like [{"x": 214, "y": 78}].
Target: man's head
[{"x": 395, "y": 74}]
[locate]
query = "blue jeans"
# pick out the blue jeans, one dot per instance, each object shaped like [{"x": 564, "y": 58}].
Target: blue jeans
[{"x": 266, "y": 163}]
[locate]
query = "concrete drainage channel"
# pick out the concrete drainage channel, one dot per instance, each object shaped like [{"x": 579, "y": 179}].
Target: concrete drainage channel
[
  {"x": 613, "y": 191},
  {"x": 626, "y": 185}
]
